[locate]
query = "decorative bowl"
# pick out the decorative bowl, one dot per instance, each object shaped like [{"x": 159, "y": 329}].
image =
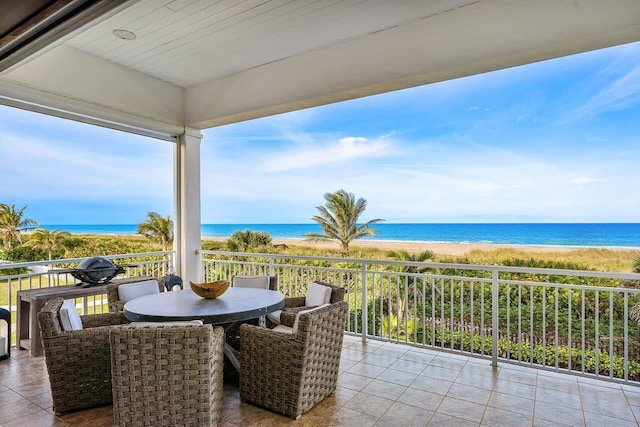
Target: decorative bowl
[{"x": 210, "y": 289}]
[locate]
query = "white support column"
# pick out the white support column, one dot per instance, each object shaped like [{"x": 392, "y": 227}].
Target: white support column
[{"x": 187, "y": 239}]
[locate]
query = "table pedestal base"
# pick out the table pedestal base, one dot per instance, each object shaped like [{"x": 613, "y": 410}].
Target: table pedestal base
[{"x": 232, "y": 355}]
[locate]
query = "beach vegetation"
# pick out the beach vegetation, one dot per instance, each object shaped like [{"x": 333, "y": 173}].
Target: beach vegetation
[
  {"x": 22, "y": 253},
  {"x": 158, "y": 229},
  {"x": 599, "y": 259},
  {"x": 338, "y": 219},
  {"x": 49, "y": 241},
  {"x": 13, "y": 223},
  {"x": 213, "y": 245},
  {"x": 562, "y": 356},
  {"x": 404, "y": 255},
  {"x": 80, "y": 246},
  {"x": 249, "y": 241},
  {"x": 634, "y": 313}
]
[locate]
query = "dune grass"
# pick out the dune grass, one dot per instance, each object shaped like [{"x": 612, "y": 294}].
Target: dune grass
[{"x": 599, "y": 259}]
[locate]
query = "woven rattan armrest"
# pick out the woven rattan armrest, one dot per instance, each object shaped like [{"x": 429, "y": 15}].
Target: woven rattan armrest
[
  {"x": 104, "y": 319},
  {"x": 288, "y": 316},
  {"x": 265, "y": 338},
  {"x": 294, "y": 302}
]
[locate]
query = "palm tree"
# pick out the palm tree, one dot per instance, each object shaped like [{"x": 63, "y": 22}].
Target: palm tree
[
  {"x": 338, "y": 219},
  {"x": 157, "y": 228},
  {"x": 48, "y": 240},
  {"x": 403, "y": 255},
  {"x": 13, "y": 223}
]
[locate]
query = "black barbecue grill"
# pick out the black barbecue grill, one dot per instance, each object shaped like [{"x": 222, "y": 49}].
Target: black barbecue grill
[{"x": 95, "y": 271}]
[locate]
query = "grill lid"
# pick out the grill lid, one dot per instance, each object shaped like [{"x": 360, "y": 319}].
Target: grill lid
[{"x": 96, "y": 270}]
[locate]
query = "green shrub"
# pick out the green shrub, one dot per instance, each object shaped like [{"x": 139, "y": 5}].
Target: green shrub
[{"x": 525, "y": 352}]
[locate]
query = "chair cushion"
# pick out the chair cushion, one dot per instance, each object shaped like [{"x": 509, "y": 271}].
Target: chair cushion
[
  {"x": 275, "y": 316},
  {"x": 69, "y": 316},
  {"x": 259, "y": 282},
  {"x": 317, "y": 294},
  {"x": 136, "y": 290},
  {"x": 300, "y": 313}
]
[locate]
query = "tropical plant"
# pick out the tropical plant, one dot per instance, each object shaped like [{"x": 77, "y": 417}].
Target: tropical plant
[
  {"x": 636, "y": 265},
  {"x": 248, "y": 241},
  {"x": 403, "y": 255},
  {"x": 403, "y": 289},
  {"x": 157, "y": 229},
  {"x": 48, "y": 240},
  {"x": 338, "y": 219},
  {"x": 13, "y": 223}
]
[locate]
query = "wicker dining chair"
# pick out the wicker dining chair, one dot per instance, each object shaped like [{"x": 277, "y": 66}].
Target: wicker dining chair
[
  {"x": 290, "y": 373},
  {"x": 78, "y": 361},
  {"x": 113, "y": 297},
  {"x": 167, "y": 374},
  {"x": 261, "y": 282},
  {"x": 293, "y": 305}
]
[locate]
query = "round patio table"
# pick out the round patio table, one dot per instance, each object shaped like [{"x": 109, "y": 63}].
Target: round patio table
[{"x": 235, "y": 305}]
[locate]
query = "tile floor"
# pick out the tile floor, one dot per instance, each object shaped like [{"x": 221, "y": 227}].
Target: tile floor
[{"x": 380, "y": 384}]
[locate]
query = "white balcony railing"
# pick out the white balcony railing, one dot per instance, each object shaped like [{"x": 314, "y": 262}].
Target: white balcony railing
[
  {"x": 563, "y": 320},
  {"x": 42, "y": 274}
]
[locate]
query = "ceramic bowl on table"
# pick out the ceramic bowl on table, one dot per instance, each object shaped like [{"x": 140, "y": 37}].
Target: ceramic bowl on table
[{"x": 210, "y": 289}]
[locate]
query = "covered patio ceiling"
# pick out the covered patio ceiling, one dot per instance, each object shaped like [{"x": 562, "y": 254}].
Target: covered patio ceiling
[
  {"x": 187, "y": 65},
  {"x": 204, "y": 63}
]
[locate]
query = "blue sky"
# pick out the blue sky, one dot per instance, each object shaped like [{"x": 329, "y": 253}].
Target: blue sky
[{"x": 556, "y": 141}]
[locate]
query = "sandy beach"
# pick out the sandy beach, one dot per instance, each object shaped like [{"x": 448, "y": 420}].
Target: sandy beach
[{"x": 438, "y": 248}]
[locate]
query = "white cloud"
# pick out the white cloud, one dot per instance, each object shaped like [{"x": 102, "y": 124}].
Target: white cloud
[
  {"x": 584, "y": 180},
  {"x": 616, "y": 95},
  {"x": 324, "y": 154},
  {"x": 351, "y": 140}
]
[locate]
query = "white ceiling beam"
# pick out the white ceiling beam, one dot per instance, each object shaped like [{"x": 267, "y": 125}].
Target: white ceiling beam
[
  {"x": 39, "y": 101},
  {"x": 481, "y": 37},
  {"x": 69, "y": 80}
]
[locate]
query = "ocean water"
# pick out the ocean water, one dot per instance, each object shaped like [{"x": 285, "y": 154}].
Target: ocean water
[{"x": 564, "y": 234}]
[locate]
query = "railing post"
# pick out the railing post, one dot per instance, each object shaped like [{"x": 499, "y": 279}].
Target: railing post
[
  {"x": 494, "y": 317},
  {"x": 272, "y": 265},
  {"x": 200, "y": 276},
  {"x": 365, "y": 314}
]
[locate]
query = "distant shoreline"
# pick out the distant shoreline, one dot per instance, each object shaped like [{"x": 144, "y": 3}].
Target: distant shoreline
[
  {"x": 444, "y": 248},
  {"x": 565, "y": 235}
]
